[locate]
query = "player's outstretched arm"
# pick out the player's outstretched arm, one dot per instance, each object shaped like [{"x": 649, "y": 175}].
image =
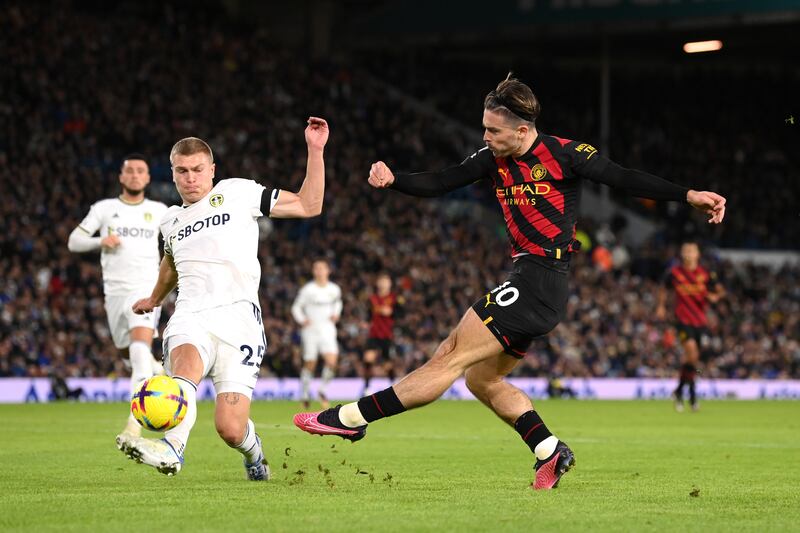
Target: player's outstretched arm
[
  {"x": 429, "y": 184},
  {"x": 167, "y": 280},
  {"x": 307, "y": 202},
  {"x": 644, "y": 185}
]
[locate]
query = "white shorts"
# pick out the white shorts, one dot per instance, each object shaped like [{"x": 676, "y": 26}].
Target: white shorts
[
  {"x": 319, "y": 340},
  {"x": 231, "y": 342},
  {"x": 122, "y": 319}
]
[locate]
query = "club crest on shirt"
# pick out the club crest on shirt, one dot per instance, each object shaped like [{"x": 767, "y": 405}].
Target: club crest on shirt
[
  {"x": 216, "y": 200},
  {"x": 538, "y": 172},
  {"x": 148, "y": 217}
]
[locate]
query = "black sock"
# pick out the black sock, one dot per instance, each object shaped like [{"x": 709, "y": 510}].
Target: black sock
[
  {"x": 380, "y": 405},
  {"x": 679, "y": 390},
  {"x": 367, "y": 374},
  {"x": 691, "y": 373},
  {"x": 532, "y": 429}
]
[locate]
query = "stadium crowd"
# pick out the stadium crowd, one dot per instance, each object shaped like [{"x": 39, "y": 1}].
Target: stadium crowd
[{"x": 102, "y": 88}]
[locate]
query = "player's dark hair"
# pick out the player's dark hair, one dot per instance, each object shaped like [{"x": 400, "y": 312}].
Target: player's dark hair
[
  {"x": 514, "y": 99},
  {"x": 191, "y": 146},
  {"x": 134, "y": 156},
  {"x": 691, "y": 241}
]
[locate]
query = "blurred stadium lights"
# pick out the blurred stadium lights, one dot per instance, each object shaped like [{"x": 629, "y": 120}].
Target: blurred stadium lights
[{"x": 702, "y": 46}]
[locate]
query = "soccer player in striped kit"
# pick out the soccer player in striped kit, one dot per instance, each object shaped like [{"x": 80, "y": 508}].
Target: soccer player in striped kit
[
  {"x": 383, "y": 307},
  {"x": 536, "y": 178},
  {"x": 694, "y": 288}
]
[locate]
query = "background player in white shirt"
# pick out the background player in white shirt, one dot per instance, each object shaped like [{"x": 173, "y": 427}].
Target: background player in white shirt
[
  {"x": 211, "y": 246},
  {"x": 128, "y": 244},
  {"x": 317, "y": 309}
]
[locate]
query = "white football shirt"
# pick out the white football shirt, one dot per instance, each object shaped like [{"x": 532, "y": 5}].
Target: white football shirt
[
  {"x": 214, "y": 244},
  {"x": 133, "y": 265},
  {"x": 317, "y": 303}
]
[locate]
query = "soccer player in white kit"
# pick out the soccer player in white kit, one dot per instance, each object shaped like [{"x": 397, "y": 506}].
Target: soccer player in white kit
[
  {"x": 211, "y": 246},
  {"x": 128, "y": 244},
  {"x": 317, "y": 309}
]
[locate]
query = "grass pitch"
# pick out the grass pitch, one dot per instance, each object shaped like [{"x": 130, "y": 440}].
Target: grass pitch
[{"x": 447, "y": 467}]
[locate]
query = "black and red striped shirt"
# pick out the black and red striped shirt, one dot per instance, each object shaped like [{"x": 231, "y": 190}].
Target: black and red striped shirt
[
  {"x": 691, "y": 293},
  {"x": 540, "y": 191},
  {"x": 381, "y": 326}
]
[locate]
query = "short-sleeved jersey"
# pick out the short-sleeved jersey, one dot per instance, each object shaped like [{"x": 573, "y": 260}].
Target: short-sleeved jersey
[
  {"x": 380, "y": 325},
  {"x": 133, "y": 265},
  {"x": 214, "y": 244},
  {"x": 691, "y": 293},
  {"x": 317, "y": 303},
  {"x": 539, "y": 192}
]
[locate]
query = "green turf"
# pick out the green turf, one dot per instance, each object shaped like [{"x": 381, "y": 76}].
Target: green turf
[{"x": 448, "y": 467}]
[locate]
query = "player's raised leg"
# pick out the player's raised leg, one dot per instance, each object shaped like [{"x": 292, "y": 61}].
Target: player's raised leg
[
  {"x": 470, "y": 342},
  {"x": 486, "y": 380},
  {"x": 166, "y": 455},
  {"x": 232, "y": 420}
]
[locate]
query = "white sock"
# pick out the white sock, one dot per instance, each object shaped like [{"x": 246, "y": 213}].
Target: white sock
[
  {"x": 141, "y": 363},
  {"x": 158, "y": 367},
  {"x": 133, "y": 427},
  {"x": 305, "y": 377},
  {"x": 249, "y": 446},
  {"x": 546, "y": 448},
  {"x": 327, "y": 376},
  {"x": 350, "y": 415},
  {"x": 179, "y": 435}
]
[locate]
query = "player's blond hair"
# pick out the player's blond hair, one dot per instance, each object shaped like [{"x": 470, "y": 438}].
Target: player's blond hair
[
  {"x": 191, "y": 146},
  {"x": 514, "y": 99}
]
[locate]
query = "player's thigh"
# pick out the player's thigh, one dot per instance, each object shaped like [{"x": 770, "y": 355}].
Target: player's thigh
[
  {"x": 139, "y": 327},
  {"x": 330, "y": 359},
  {"x": 310, "y": 343},
  {"x": 491, "y": 370},
  {"x": 185, "y": 360},
  {"x": 370, "y": 355},
  {"x": 691, "y": 350},
  {"x": 187, "y": 347},
  {"x": 240, "y": 344},
  {"x": 118, "y": 320},
  {"x": 329, "y": 347},
  {"x": 469, "y": 343},
  {"x": 142, "y": 334}
]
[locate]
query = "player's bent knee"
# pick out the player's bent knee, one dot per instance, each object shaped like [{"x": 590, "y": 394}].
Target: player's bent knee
[
  {"x": 231, "y": 431},
  {"x": 477, "y": 383}
]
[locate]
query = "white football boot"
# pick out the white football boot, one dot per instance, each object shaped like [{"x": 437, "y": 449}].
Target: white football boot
[
  {"x": 131, "y": 432},
  {"x": 158, "y": 453}
]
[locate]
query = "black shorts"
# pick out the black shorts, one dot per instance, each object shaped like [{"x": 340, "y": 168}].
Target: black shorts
[
  {"x": 531, "y": 302},
  {"x": 686, "y": 332},
  {"x": 383, "y": 346}
]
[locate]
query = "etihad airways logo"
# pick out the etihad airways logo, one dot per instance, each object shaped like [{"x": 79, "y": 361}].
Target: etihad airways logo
[{"x": 521, "y": 190}]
